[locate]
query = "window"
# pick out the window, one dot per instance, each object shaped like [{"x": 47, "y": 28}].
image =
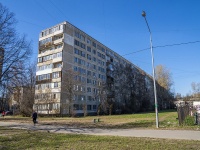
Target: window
[
  {"x": 76, "y": 42},
  {"x": 99, "y": 54},
  {"x": 82, "y": 88},
  {"x": 76, "y": 107},
  {"x": 89, "y": 89},
  {"x": 103, "y": 56},
  {"x": 88, "y": 65},
  {"x": 57, "y": 55},
  {"x": 82, "y": 45},
  {"x": 88, "y": 49},
  {"x": 55, "y": 84},
  {"x": 89, "y": 98},
  {"x": 39, "y": 59},
  {"x": 89, "y": 57},
  {"x": 83, "y": 79},
  {"x": 82, "y": 54},
  {"x": 57, "y": 37},
  {"x": 94, "y": 107},
  {"x": 89, "y": 81},
  {"x": 83, "y": 62},
  {"x": 75, "y": 60},
  {"x": 99, "y": 47},
  {"x": 89, "y": 107},
  {"x": 94, "y": 82},
  {"x": 94, "y": 59},
  {"x": 81, "y": 70},
  {"x": 44, "y": 67},
  {"x": 57, "y": 65},
  {"x": 88, "y": 41},
  {"x": 48, "y": 57},
  {"x": 58, "y": 46},
  {"x": 94, "y": 74},
  {"x": 89, "y": 73},
  {"x": 82, "y": 38},
  {"x": 77, "y": 34},
  {"x": 55, "y": 75},
  {"x": 79, "y": 61},
  {"x": 52, "y": 30},
  {"x": 94, "y": 44},
  {"x": 79, "y": 52},
  {"x": 54, "y": 96},
  {"x": 94, "y": 67},
  {"x": 94, "y": 51},
  {"x": 43, "y": 77},
  {"x": 45, "y": 41},
  {"x": 76, "y": 51}
]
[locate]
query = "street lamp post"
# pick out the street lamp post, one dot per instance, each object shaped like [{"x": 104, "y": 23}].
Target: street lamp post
[{"x": 154, "y": 82}]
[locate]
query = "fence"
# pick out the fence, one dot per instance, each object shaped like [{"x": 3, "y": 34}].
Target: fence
[{"x": 183, "y": 112}]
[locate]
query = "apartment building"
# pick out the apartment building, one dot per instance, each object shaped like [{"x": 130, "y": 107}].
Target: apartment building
[{"x": 63, "y": 48}]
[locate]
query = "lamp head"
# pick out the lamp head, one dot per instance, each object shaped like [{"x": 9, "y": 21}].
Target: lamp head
[{"x": 143, "y": 13}]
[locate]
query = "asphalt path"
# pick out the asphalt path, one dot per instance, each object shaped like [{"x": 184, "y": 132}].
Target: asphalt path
[{"x": 166, "y": 134}]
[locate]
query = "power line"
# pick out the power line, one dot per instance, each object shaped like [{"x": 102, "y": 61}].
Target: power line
[
  {"x": 31, "y": 23},
  {"x": 46, "y": 10},
  {"x": 136, "y": 51},
  {"x": 168, "y": 45},
  {"x": 58, "y": 9}
]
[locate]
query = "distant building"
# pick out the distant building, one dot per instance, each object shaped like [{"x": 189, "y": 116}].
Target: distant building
[{"x": 20, "y": 100}]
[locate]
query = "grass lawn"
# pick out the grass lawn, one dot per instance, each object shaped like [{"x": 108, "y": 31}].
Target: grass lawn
[
  {"x": 22, "y": 139},
  {"x": 167, "y": 120}
]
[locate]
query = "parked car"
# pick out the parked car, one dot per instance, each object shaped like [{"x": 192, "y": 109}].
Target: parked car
[{"x": 8, "y": 113}]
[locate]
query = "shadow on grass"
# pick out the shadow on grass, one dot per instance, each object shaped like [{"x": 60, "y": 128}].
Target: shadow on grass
[{"x": 137, "y": 124}]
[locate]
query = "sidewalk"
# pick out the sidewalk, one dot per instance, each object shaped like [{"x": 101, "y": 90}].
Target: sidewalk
[{"x": 167, "y": 134}]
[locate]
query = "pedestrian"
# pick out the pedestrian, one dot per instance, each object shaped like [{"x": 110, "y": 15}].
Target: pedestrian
[
  {"x": 34, "y": 116},
  {"x": 3, "y": 114}
]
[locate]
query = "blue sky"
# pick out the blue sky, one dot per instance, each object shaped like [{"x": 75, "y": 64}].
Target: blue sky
[{"x": 119, "y": 25}]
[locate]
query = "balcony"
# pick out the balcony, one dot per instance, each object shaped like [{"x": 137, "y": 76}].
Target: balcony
[
  {"x": 45, "y": 46},
  {"x": 56, "y": 80},
  {"x": 56, "y": 69},
  {"x": 58, "y": 41},
  {"x": 58, "y": 59}
]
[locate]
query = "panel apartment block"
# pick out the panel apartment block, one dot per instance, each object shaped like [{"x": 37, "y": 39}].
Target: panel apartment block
[{"x": 62, "y": 48}]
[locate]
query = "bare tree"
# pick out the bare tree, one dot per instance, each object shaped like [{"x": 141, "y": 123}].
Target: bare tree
[
  {"x": 101, "y": 97},
  {"x": 131, "y": 93},
  {"x": 196, "y": 89},
  {"x": 29, "y": 85},
  {"x": 165, "y": 82},
  {"x": 127, "y": 85},
  {"x": 21, "y": 89},
  {"x": 13, "y": 48},
  {"x": 164, "y": 77},
  {"x": 70, "y": 82}
]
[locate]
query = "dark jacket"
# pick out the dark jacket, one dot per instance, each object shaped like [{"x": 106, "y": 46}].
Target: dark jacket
[{"x": 34, "y": 115}]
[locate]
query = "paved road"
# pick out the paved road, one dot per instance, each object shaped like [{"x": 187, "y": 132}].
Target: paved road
[{"x": 167, "y": 134}]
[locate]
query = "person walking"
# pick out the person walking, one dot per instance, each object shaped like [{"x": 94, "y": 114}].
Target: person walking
[
  {"x": 34, "y": 116},
  {"x": 3, "y": 114}
]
